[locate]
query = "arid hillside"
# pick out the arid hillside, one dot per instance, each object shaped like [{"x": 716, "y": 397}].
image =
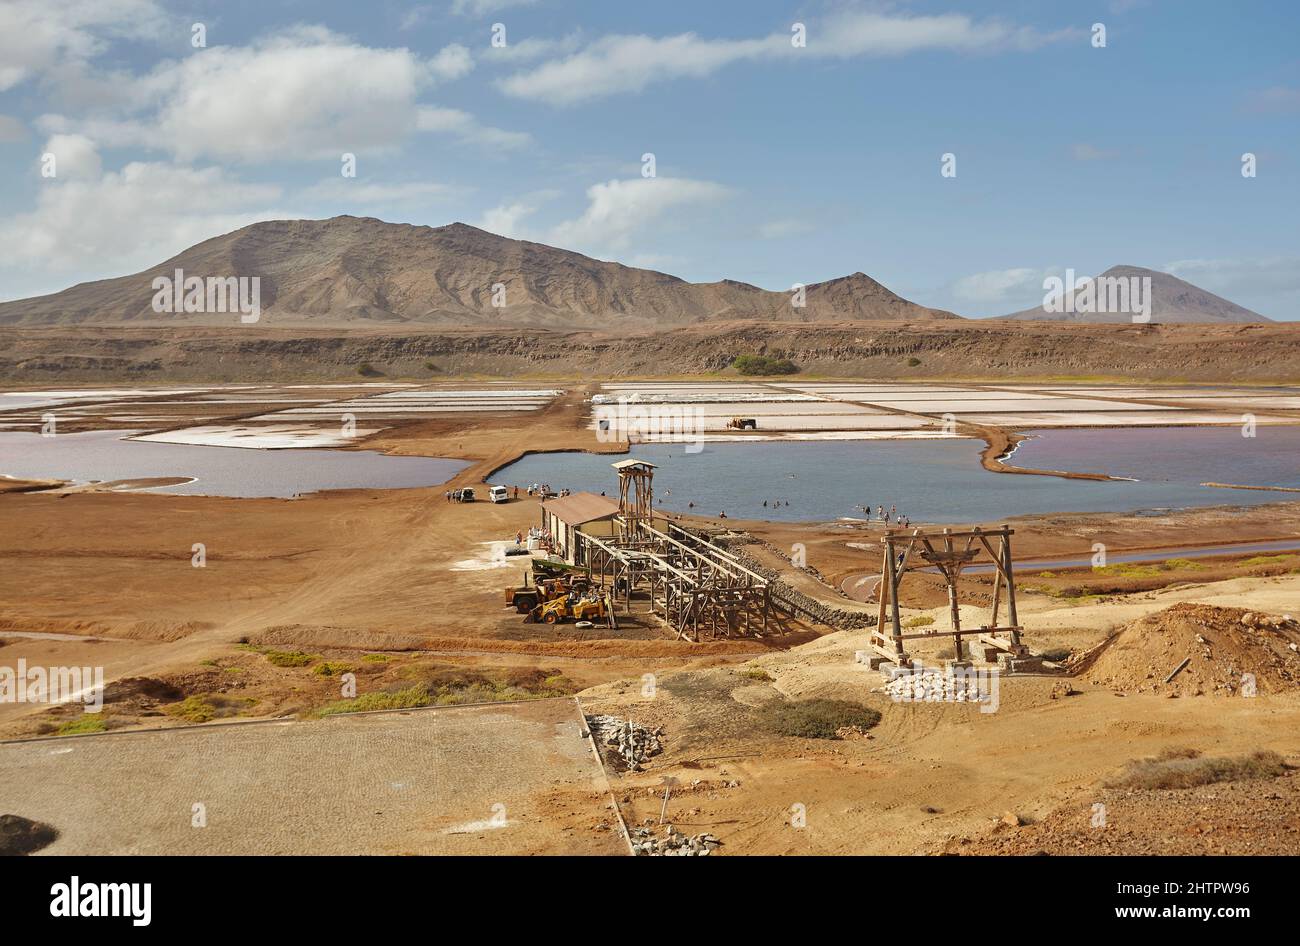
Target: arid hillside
[
  {"x": 937, "y": 349},
  {"x": 353, "y": 271}
]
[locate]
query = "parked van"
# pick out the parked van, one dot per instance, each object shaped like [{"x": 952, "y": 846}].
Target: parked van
[{"x": 498, "y": 494}]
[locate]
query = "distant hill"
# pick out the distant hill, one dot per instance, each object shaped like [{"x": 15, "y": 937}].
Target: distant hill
[
  {"x": 1172, "y": 300},
  {"x": 362, "y": 271}
]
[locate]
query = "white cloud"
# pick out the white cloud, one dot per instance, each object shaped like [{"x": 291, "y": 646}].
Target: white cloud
[
  {"x": 506, "y": 219},
  {"x": 467, "y": 128},
  {"x": 303, "y": 93},
  {"x": 619, "y": 210},
  {"x": 415, "y": 16},
  {"x": 38, "y": 37},
  {"x": 531, "y": 48},
  {"x": 628, "y": 63},
  {"x": 484, "y": 7},
  {"x": 451, "y": 62},
  {"x": 878, "y": 34},
  {"x": 124, "y": 221},
  {"x": 75, "y": 157},
  {"x": 1274, "y": 274},
  {"x": 1001, "y": 286},
  {"x": 614, "y": 64}
]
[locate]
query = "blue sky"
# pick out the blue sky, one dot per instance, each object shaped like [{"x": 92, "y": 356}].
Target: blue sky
[{"x": 774, "y": 164}]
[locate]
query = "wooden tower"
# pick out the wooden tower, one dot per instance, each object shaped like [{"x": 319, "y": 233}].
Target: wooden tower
[{"x": 635, "y": 495}]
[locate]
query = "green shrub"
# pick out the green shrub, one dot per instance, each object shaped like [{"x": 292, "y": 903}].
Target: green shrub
[
  {"x": 815, "y": 719},
  {"x": 367, "y": 370},
  {"x": 1128, "y": 570},
  {"x": 86, "y": 722},
  {"x": 289, "y": 658},
  {"x": 921, "y": 620},
  {"x": 1182, "y": 564},
  {"x": 757, "y": 673},
  {"x": 331, "y": 668},
  {"x": 375, "y": 658},
  {"x": 764, "y": 365},
  {"x": 913, "y": 362},
  {"x": 193, "y": 709},
  {"x": 559, "y": 685},
  {"x": 1268, "y": 559},
  {"x": 409, "y": 698}
]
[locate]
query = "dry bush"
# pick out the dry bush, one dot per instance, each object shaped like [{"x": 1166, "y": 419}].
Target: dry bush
[
  {"x": 1184, "y": 768},
  {"x": 815, "y": 719}
]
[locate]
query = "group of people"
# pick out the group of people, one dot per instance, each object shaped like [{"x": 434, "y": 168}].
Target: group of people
[
  {"x": 544, "y": 490},
  {"x": 886, "y": 518},
  {"x": 543, "y": 537}
]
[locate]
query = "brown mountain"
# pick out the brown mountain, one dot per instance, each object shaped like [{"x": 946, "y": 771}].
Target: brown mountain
[
  {"x": 362, "y": 271},
  {"x": 1172, "y": 300}
]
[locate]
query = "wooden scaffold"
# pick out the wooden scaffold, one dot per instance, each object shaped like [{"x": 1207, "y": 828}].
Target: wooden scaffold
[
  {"x": 939, "y": 551},
  {"x": 698, "y": 589}
]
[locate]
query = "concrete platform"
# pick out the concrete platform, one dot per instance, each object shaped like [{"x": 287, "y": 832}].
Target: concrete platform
[{"x": 515, "y": 778}]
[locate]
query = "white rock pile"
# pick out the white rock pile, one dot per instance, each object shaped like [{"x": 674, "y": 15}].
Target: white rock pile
[
  {"x": 935, "y": 686},
  {"x": 673, "y": 844},
  {"x": 632, "y": 743}
]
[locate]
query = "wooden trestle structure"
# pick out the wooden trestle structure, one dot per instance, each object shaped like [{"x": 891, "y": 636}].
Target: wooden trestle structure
[
  {"x": 697, "y": 588},
  {"x": 938, "y": 550}
]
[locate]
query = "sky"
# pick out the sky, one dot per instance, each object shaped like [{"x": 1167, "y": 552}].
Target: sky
[{"x": 959, "y": 153}]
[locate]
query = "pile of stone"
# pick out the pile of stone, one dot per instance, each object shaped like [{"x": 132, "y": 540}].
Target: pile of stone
[
  {"x": 937, "y": 686},
  {"x": 673, "y": 844},
  {"x": 629, "y": 742}
]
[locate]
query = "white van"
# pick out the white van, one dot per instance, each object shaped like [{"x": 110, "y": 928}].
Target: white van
[{"x": 498, "y": 494}]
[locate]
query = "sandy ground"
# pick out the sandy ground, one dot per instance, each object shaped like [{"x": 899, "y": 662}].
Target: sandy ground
[
  {"x": 409, "y": 575},
  {"x": 930, "y": 775}
]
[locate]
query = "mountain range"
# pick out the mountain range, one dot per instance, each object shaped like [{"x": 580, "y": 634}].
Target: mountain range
[{"x": 362, "y": 272}]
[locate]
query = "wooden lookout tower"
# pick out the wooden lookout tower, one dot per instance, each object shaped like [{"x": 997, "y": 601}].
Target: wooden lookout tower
[{"x": 635, "y": 495}]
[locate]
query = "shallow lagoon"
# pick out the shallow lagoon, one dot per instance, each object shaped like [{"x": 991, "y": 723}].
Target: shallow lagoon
[
  {"x": 941, "y": 480},
  {"x": 218, "y": 471}
]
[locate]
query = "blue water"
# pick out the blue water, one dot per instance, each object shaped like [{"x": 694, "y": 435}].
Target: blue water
[
  {"x": 941, "y": 481},
  {"x": 219, "y": 471}
]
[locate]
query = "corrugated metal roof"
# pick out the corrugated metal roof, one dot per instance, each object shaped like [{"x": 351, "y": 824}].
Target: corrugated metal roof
[
  {"x": 581, "y": 507},
  {"x": 623, "y": 464}
]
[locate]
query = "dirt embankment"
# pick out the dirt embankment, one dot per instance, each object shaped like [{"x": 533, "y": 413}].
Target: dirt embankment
[
  {"x": 1198, "y": 649},
  {"x": 1001, "y": 441},
  {"x": 912, "y": 350}
]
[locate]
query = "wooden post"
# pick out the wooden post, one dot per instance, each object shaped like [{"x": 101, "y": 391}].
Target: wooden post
[
  {"x": 1011, "y": 588},
  {"x": 897, "y": 620},
  {"x": 950, "y": 572}
]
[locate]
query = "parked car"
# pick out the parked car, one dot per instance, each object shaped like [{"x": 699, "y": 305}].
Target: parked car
[
  {"x": 465, "y": 495},
  {"x": 498, "y": 494}
]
